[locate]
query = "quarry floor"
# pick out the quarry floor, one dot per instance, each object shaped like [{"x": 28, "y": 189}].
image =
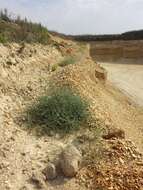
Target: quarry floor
[{"x": 128, "y": 77}]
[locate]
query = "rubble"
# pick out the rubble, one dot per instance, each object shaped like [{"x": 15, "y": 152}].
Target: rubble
[
  {"x": 50, "y": 171},
  {"x": 101, "y": 73},
  {"x": 114, "y": 133},
  {"x": 70, "y": 161},
  {"x": 120, "y": 169}
]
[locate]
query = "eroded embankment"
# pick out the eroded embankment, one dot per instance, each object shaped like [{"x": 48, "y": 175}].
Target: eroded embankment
[
  {"x": 23, "y": 155},
  {"x": 114, "y": 109},
  {"x": 124, "y": 63},
  {"x": 24, "y": 76},
  {"x": 114, "y": 50}
]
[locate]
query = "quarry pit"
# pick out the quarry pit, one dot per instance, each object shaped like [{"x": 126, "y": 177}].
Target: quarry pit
[{"x": 124, "y": 62}]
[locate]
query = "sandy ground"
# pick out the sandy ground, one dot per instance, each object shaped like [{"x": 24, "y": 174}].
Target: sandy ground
[
  {"x": 23, "y": 154},
  {"x": 128, "y": 78}
]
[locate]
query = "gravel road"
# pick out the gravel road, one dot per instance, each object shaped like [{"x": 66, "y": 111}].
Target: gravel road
[{"x": 127, "y": 77}]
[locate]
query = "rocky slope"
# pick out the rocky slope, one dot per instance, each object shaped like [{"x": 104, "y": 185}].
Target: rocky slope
[{"x": 24, "y": 154}]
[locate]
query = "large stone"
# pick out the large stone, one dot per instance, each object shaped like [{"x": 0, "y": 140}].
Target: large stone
[
  {"x": 11, "y": 61},
  {"x": 101, "y": 73},
  {"x": 50, "y": 172},
  {"x": 38, "y": 180},
  {"x": 70, "y": 161},
  {"x": 114, "y": 133}
]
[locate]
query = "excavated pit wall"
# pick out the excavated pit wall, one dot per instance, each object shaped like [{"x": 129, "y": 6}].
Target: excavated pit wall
[
  {"x": 116, "y": 50},
  {"x": 123, "y": 61}
]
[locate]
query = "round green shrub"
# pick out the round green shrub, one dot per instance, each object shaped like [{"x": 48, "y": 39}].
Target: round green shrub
[{"x": 63, "y": 110}]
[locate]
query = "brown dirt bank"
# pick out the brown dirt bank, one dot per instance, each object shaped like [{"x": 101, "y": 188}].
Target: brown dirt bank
[{"x": 114, "y": 50}]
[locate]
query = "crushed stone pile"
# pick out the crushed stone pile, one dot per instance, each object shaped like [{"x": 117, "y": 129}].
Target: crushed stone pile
[{"x": 122, "y": 169}]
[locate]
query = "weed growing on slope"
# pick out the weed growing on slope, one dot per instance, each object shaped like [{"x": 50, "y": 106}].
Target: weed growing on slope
[
  {"x": 67, "y": 61},
  {"x": 62, "y": 110},
  {"x": 54, "y": 67},
  {"x": 2, "y": 38}
]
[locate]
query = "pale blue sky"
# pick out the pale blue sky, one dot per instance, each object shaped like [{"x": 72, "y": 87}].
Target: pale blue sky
[{"x": 81, "y": 16}]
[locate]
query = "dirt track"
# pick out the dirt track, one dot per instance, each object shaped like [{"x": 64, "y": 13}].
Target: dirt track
[{"x": 128, "y": 77}]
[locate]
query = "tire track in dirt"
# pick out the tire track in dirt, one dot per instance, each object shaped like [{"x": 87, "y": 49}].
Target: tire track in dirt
[{"x": 129, "y": 79}]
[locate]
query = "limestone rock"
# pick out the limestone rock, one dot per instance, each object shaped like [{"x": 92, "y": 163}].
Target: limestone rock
[
  {"x": 11, "y": 61},
  {"x": 50, "y": 172},
  {"x": 114, "y": 133},
  {"x": 100, "y": 73},
  {"x": 38, "y": 180},
  {"x": 70, "y": 161}
]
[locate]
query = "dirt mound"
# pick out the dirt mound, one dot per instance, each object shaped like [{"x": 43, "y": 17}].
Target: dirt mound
[
  {"x": 113, "y": 177},
  {"x": 121, "y": 168},
  {"x": 114, "y": 110},
  {"x": 107, "y": 103},
  {"x": 24, "y": 77}
]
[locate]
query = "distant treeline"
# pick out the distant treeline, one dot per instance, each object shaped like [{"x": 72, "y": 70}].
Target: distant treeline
[
  {"x": 17, "y": 29},
  {"x": 132, "y": 35},
  {"x": 21, "y": 30}
]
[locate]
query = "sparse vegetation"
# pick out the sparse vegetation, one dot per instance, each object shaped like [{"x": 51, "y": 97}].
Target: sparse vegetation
[
  {"x": 54, "y": 67},
  {"x": 21, "y": 30},
  {"x": 62, "y": 110},
  {"x": 67, "y": 61},
  {"x": 2, "y": 38}
]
